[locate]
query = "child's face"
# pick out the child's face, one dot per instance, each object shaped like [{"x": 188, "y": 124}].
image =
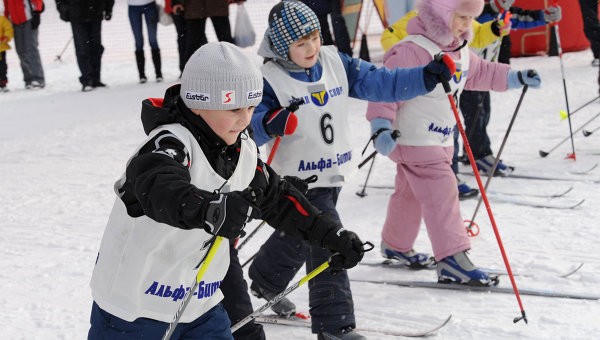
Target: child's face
[
  {"x": 227, "y": 124},
  {"x": 305, "y": 51},
  {"x": 461, "y": 24}
]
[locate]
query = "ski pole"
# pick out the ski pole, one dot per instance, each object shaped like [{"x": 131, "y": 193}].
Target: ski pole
[
  {"x": 290, "y": 289},
  {"x": 395, "y": 135},
  {"x": 279, "y": 297},
  {"x": 250, "y": 259},
  {"x": 269, "y": 159},
  {"x": 562, "y": 71},
  {"x": 463, "y": 134},
  {"x": 250, "y": 235},
  {"x": 58, "y": 57},
  {"x": 363, "y": 193},
  {"x": 546, "y": 153},
  {"x": 214, "y": 243},
  {"x": 497, "y": 161}
]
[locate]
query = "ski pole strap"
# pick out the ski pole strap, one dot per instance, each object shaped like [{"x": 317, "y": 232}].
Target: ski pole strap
[
  {"x": 395, "y": 135},
  {"x": 373, "y": 136}
]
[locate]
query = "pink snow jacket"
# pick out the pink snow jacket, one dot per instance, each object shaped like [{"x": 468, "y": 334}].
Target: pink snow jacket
[{"x": 483, "y": 75}]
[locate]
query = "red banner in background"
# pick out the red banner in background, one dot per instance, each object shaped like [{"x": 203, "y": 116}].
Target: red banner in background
[{"x": 537, "y": 41}]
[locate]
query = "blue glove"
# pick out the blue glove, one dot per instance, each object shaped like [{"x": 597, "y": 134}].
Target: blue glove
[
  {"x": 384, "y": 142},
  {"x": 517, "y": 79}
]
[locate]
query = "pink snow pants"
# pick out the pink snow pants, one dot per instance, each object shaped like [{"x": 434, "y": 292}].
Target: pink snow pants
[{"x": 425, "y": 188}]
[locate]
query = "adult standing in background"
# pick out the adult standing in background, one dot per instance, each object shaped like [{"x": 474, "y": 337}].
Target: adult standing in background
[
  {"x": 322, "y": 9},
  {"x": 86, "y": 17},
  {"x": 179, "y": 22},
  {"x": 591, "y": 27},
  {"x": 147, "y": 9},
  {"x": 25, "y": 18},
  {"x": 195, "y": 13}
]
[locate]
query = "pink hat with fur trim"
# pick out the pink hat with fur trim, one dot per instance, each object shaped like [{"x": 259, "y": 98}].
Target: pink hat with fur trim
[{"x": 438, "y": 15}]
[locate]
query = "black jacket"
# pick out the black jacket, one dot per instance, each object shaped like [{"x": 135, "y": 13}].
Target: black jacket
[
  {"x": 84, "y": 10},
  {"x": 159, "y": 186}
]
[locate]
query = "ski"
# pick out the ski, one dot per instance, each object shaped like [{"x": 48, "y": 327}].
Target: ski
[
  {"x": 394, "y": 264},
  {"x": 540, "y": 203},
  {"x": 501, "y": 192},
  {"x": 528, "y": 194},
  {"x": 305, "y": 322},
  {"x": 571, "y": 176},
  {"x": 488, "y": 289}
]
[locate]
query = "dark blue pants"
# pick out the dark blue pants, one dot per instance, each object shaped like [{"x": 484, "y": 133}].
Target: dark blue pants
[
  {"x": 196, "y": 36},
  {"x": 237, "y": 299},
  {"x": 280, "y": 258},
  {"x": 179, "y": 22},
  {"x": 591, "y": 26},
  {"x": 150, "y": 13},
  {"x": 475, "y": 108},
  {"x": 87, "y": 39},
  {"x": 214, "y": 324},
  {"x": 3, "y": 69}
]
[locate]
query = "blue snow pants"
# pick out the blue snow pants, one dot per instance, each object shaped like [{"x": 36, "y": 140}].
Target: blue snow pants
[{"x": 214, "y": 324}]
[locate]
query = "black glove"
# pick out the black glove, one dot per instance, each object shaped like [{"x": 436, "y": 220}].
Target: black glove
[
  {"x": 339, "y": 240},
  {"x": 35, "y": 20},
  {"x": 107, "y": 16},
  {"x": 227, "y": 214},
  {"x": 439, "y": 69}
]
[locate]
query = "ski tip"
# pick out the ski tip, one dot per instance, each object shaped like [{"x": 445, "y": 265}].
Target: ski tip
[
  {"x": 586, "y": 133},
  {"x": 543, "y": 153},
  {"x": 573, "y": 271}
]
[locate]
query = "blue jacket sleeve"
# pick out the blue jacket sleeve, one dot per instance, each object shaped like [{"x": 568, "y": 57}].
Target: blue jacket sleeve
[
  {"x": 368, "y": 82},
  {"x": 524, "y": 19},
  {"x": 520, "y": 19},
  {"x": 269, "y": 102}
]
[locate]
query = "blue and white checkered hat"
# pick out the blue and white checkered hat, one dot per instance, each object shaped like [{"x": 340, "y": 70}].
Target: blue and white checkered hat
[{"x": 288, "y": 22}]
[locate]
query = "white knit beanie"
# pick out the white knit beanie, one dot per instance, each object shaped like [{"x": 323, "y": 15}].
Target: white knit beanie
[{"x": 219, "y": 76}]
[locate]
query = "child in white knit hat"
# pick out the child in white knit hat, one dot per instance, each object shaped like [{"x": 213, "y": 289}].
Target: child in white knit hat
[
  {"x": 297, "y": 66},
  {"x": 196, "y": 176}
]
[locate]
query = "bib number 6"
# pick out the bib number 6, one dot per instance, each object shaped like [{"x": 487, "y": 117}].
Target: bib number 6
[{"x": 327, "y": 128}]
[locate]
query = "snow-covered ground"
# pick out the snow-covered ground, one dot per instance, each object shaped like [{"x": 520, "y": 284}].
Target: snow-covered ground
[{"x": 63, "y": 150}]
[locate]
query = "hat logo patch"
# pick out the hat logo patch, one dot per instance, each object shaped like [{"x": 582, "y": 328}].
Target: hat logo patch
[
  {"x": 201, "y": 97},
  {"x": 228, "y": 97},
  {"x": 254, "y": 94}
]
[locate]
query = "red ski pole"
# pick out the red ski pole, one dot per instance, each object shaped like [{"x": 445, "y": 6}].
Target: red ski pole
[{"x": 461, "y": 129}]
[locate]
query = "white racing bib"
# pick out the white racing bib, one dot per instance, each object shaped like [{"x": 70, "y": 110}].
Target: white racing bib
[
  {"x": 145, "y": 268},
  {"x": 321, "y": 143},
  {"x": 428, "y": 120}
]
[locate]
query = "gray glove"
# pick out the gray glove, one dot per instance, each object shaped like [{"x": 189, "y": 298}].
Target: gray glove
[{"x": 553, "y": 14}]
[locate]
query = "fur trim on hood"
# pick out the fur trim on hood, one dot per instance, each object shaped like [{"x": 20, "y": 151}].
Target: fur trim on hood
[{"x": 438, "y": 15}]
